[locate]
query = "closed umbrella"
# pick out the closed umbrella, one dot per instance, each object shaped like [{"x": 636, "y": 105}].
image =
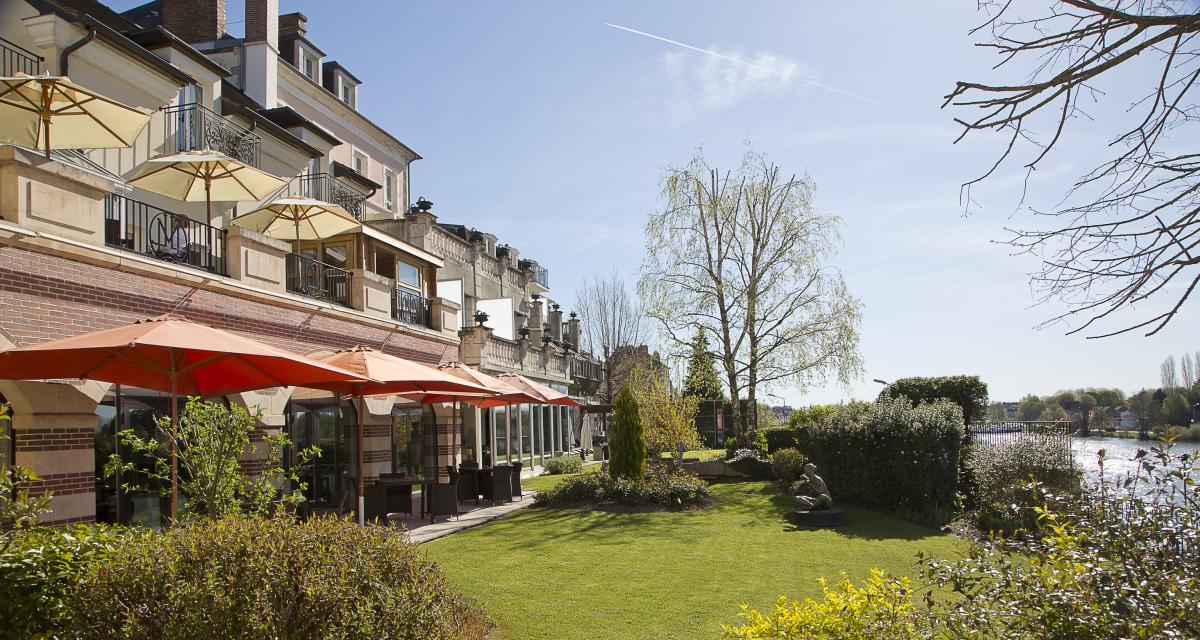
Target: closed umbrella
[
  {"x": 298, "y": 219},
  {"x": 205, "y": 176},
  {"x": 34, "y": 107},
  {"x": 385, "y": 374},
  {"x": 172, "y": 354}
]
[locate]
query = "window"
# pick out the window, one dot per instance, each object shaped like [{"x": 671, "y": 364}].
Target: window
[
  {"x": 347, "y": 93},
  {"x": 310, "y": 67},
  {"x": 385, "y": 263},
  {"x": 337, "y": 255},
  {"x": 360, "y": 163},
  {"x": 389, "y": 190},
  {"x": 406, "y": 440},
  {"x": 408, "y": 274}
]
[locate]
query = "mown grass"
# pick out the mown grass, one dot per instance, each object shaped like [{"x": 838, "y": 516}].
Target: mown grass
[{"x": 570, "y": 573}]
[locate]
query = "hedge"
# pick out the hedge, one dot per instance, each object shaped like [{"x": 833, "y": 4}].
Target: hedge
[
  {"x": 779, "y": 438},
  {"x": 968, "y": 392},
  {"x": 890, "y": 456}
]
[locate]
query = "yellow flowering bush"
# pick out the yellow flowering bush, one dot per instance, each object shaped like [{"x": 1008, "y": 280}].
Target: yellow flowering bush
[{"x": 881, "y": 609}]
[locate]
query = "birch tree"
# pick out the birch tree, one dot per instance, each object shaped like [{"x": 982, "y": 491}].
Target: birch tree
[
  {"x": 744, "y": 256},
  {"x": 611, "y": 319}
]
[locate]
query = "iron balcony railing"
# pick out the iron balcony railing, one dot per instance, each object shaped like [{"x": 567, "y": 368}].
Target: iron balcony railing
[
  {"x": 193, "y": 127},
  {"x": 323, "y": 186},
  {"x": 142, "y": 228},
  {"x": 16, "y": 59},
  {"x": 410, "y": 307},
  {"x": 318, "y": 280}
]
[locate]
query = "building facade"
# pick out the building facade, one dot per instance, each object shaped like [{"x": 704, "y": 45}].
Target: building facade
[{"x": 80, "y": 250}]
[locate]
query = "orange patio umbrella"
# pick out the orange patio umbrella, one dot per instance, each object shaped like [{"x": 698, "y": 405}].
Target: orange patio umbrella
[
  {"x": 388, "y": 375},
  {"x": 172, "y": 354},
  {"x": 503, "y": 393},
  {"x": 544, "y": 394}
]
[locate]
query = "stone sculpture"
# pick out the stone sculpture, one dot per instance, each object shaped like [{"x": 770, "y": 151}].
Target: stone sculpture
[{"x": 818, "y": 498}]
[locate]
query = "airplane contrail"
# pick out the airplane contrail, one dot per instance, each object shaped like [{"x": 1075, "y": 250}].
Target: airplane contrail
[{"x": 767, "y": 69}]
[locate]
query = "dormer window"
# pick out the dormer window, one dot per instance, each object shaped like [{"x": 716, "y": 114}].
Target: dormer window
[
  {"x": 310, "y": 67},
  {"x": 347, "y": 93}
]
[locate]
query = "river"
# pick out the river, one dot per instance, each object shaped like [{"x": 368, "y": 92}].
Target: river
[{"x": 1118, "y": 454}]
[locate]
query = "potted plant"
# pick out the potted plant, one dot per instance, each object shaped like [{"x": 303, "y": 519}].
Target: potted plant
[
  {"x": 502, "y": 251},
  {"x": 546, "y": 339},
  {"x": 423, "y": 204},
  {"x": 524, "y": 331},
  {"x": 480, "y": 317}
]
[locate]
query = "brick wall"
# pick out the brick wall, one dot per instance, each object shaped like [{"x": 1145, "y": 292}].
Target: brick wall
[
  {"x": 194, "y": 20},
  {"x": 262, "y": 21}
]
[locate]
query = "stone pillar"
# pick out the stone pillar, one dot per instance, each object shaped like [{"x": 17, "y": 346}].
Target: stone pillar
[
  {"x": 556, "y": 323},
  {"x": 54, "y": 429},
  {"x": 573, "y": 330},
  {"x": 261, "y": 51},
  {"x": 536, "y": 329},
  {"x": 472, "y": 350}
]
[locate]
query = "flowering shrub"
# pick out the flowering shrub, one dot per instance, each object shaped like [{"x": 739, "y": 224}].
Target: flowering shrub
[
  {"x": 881, "y": 608},
  {"x": 751, "y": 462},
  {"x": 1011, "y": 478},
  {"x": 659, "y": 486},
  {"x": 563, "y": 464}
]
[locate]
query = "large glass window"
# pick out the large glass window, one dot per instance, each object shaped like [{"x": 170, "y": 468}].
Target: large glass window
[
  {"x": 337, "y": 255},
  {"x": 328, "y": 423},
  {"x": 501, "y": 421},
  {"x": 408, "y": 274},
  {"x": 136, "y": 409},
  {"x": 406, "y": 440},
  {"x": 526, "y": 433}
]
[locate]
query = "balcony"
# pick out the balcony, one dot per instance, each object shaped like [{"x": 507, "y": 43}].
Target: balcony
[
  {"x": 144, "y": 229},
  {"x": 15, "y": 59},
  {"x": 193, "y": 127},
  {"x": 318, "y": 280},
  {"x": 410, "y": 307},
  {"x": 324, "y": 187},
  {"x": 537, "y": 273}
]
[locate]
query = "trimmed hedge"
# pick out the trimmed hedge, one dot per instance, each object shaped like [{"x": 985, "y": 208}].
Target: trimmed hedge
[
  {"x": 751, "y": 462},
  {"x": 968, "y": 392},
  {"x": 563, "y": 464},
  {"x": 890, "y": 456},
  {"x": 779, "y": 438},
  {"x": 660, "y": 485}
]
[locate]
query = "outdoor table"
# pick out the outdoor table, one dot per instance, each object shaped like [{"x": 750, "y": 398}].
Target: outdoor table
[{"x": 408, "y": 482}]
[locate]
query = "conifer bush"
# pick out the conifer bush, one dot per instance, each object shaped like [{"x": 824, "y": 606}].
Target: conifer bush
[{"x": 627, "y": 446}]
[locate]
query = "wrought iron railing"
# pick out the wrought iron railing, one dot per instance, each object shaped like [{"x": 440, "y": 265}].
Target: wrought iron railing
[
  {"x": 193, "y": 127},
  {"x": 410, "y": 307},
  {"x": 323, "y": 186},
  {"x": 318, "y": 280},
  {"x": 142, "y": 228},
  {"x": 16, "y": 59}
]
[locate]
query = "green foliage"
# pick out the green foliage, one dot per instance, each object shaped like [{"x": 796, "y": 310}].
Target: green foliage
[
  {"x": 39, "y": 567},
  {"x": 668, "y": 417},
  {"x": 253, "y": 577},
  {"x": 1011, "y": 478},
  {"x": 968, "y": 392},
  {"x": 787, "y": 464},
  {"x": 751, "y": 462},
  {"x": 779, "y": 438},
  {"x": 563, "y": 464},
  {"x": 1176, "y": 410},
  {"x": 890, "y": 456},
  {"x": 1119, "y": 561},
  {"x": 1053, "y": 412},
  {"x": 660, "y": 485},
  {"x": 18, "y": 508},
  {"x": 811, "y": 415},
  {"x": 881, "y": 609},
  {"x": 702, "y": 380},
  {"x": 627, "y": 446},
  {"x": 759, "y": 441},
  {"x": 1029, "y": 408},
  {"x": 208, "y": 439}
]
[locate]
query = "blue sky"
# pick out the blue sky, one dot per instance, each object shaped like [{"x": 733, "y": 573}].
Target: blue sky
[{"x": 544, "y": 126}]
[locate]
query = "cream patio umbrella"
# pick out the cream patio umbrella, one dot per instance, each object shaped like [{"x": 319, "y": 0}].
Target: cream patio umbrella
[
  {"x": 298, "y": 219},
  {"x": 195, "y": 176},
  {"x": 34, "y": 107}
]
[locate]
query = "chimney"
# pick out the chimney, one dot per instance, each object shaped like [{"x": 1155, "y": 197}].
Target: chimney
[
  {"x": 293, "y": 24},
  {"x": 262, "y": 22},
  {"x": 536, "y": 330},
  {"x": 573, "y": 331},
  {"x": 260, "y": 52},
  {"x": 194, "y": 20},
  {"x": 556, "y": 322}
]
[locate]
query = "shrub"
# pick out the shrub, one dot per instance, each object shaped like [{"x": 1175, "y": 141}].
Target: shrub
[
  {"x": 881, "y": 608},
  {"x": 626, "y": 444},
  {"x": 779, "y": 438},
  {"x": 968, "y": 392},
  {"x": 1005, "y": 498},
  {"x": 660, "y": 485},
  {"x": 563, "y": 464},
  {"x": 811, "y": 415},
  {"x": 787, "y": 464},
  {"x": 247, "y": 577},
  {"x": 1118, "y": 561},
  {"x": 38, "y": 569},
  {"x": 890, "y": 456},
  {"x": 751, "y": 462}
]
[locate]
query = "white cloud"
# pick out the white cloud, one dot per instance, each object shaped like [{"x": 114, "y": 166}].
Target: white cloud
[{"x": 709, "y": 82}]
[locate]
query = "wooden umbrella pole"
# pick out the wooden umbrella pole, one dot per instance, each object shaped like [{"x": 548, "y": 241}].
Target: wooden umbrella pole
[
  {"x": 174, "y": 453},
  {"x": 47, "y": 92},
  {"x": 208, "y": 198},
  {"x": 362, "y": 501}
]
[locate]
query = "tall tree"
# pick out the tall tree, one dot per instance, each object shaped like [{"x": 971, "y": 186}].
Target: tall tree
[
  {"x": 744, "y": 256},
  {"x": 668, "y": 417},
  {"x": 1128, "y": 229},
  {"x": 611, "y": 320},
  {"x": 702, "y": 380},
  {"x": 1167, "y": 372}
]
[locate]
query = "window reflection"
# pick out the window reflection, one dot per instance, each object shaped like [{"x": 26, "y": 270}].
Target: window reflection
[{"x": 137, "y": 409}]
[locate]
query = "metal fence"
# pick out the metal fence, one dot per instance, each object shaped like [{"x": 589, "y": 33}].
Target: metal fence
[
  {"x": 15, "y": 59},
  {"x": 142, "y": 228},
  {"x": 193, "y": 127},
  {"x": 991, "y": 434},
  {"x": 324, "y": 187},
  {"x": 318, "y": 280},
  {"x": 410, "y": 307}
]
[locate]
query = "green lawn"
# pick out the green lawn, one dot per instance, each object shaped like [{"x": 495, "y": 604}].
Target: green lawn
[{"x": 566, "y": 573}]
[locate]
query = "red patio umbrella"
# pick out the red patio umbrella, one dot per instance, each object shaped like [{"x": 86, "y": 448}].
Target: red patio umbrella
[
  {"x": 503, "y": 393},
  {"x": 391, "y": 375},
  {"x": 172, "y": 354},
  {"x": 544, "y": 394}
]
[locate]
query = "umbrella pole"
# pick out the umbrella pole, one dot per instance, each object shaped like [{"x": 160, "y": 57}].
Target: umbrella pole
[
  {"x": 46, "y": 93},
  {"x": 362, "y": 500},
  {"x": 208, "y": 198},
  {"x": 174, "y": 453}
]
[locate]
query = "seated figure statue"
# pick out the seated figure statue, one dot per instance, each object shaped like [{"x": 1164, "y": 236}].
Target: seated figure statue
[{"x": 814, "y": 485}]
